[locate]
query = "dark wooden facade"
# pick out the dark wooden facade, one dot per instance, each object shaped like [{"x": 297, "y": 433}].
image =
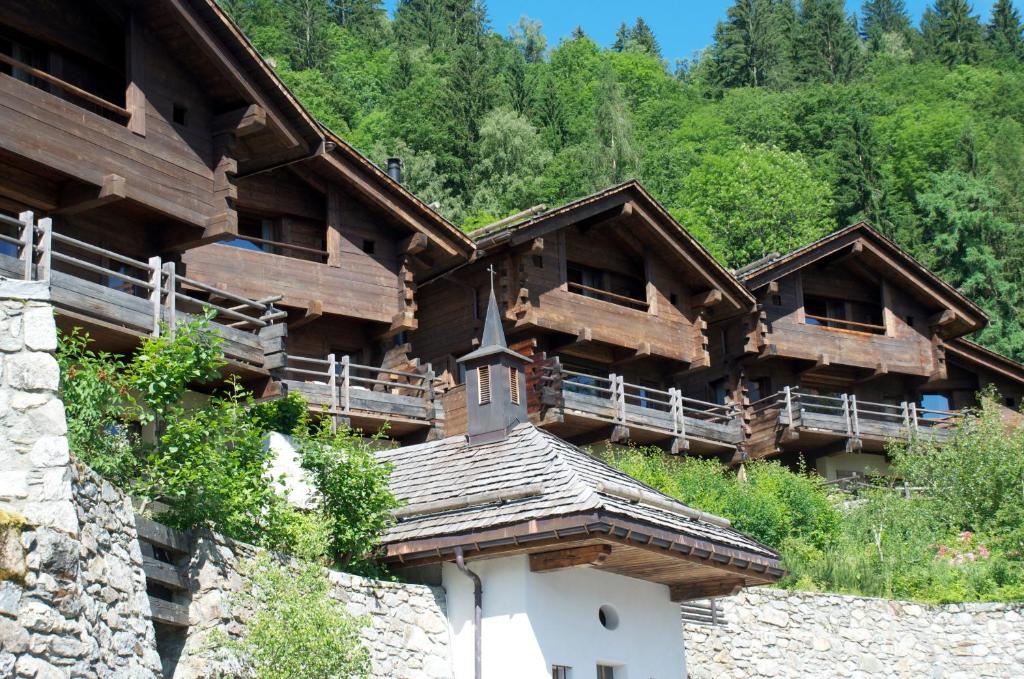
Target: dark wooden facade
[
  {"x": 610, "y": 297},
  {"x": 851, "y": 342}
]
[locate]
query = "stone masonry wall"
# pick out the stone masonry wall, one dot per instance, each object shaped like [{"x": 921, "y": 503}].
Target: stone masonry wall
[
  {"x": 407, "y": 633},
  {"x": 774, "y": 633},
  {"x": 72, "y": 591}
]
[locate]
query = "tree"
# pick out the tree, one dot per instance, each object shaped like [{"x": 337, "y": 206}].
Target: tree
[
  {"x": 751, "y": 201},
  {"x": 642, "y": 38},
  {"x": 828, "y": 48},
  {"x": 1004, "y": 32},
  {"x": 511, "y": 156},
  {"x": 881, "y": 17},
  {"x": 951, "y": 33},
  {"x": 615, "y": 157},
  {"x": 621, "y": 37},
  {"x": 308, "y": 23},
  {"x": 528, "y": 37},
  {"x": 750, "y": 47}
]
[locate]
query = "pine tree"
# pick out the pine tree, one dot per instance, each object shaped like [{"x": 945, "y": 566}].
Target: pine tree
[
  {"x": 616, "y": 156},
  {"x": 528, "y": 36},
  {"x": 1004, "y": 32},
  {"x": 952, "y": 34},
  {"x": 828, "y": 48},
  {"x": 881, "y": 17},
  {"x": 621, "y": 37},
  {"x": 751, "y": 47},
  {"x": 577, "y": 33},
  {"x": 642, "y": 38},
  {"x": 306, "y": 23}
]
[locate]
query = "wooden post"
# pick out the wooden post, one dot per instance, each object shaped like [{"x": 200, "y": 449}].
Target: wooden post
[
  {"x": 906, "y": 414},
  {"x": 156, "y": 277},
  {"x": 45, "y": 230},
  {"x": 846, "y": 414},
  {"x": 853, "y": 416},
  {"x": 27, "y": 243},
  {"x": 171, "y": 300},
  {"x": 135, "y": 59},
  {"x": 333, "y": 236},
  {"x": 789, "y": 404},
  {"x": 332, "y": 384},
  {"x": 913, "y": 415},
  {"x": 346, "y": 383}
]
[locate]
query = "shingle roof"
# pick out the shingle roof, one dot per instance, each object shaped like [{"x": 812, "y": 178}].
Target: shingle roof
[{"x": 569, "y": 477}]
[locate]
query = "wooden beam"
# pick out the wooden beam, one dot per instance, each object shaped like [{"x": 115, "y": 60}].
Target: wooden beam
[
  {"x": 708, "y": 298},
  {"x": 334, "y": 219},
  {"x": 135, "y": 67},
  {"x": 241, "y": 122},
  {"x": 587, "y": 555},
  {"x": 313, "y": 311},
  {"x": 708, "y": 588},
  {"x": 413, "y": 245},
  {"x": 76, "y": 199},
  {"x": 855, "y": 251},
  {"x": 944, "y": 317}
]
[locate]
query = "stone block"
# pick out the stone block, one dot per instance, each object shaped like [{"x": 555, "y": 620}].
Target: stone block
[
  {"x": 13, "y": 484},
  {"x": 12, "y": 554},
  {"x": 39, "y": 329},
  {"x": 32, "y": 371},
  {"x": 50, "y": 451},
  {"x": 57, "y": 553}
]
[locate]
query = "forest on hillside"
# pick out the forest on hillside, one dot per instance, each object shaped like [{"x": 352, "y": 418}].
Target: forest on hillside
[{"x": 798, "y": 119}]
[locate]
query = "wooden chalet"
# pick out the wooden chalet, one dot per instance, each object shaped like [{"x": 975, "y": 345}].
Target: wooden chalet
[
  {"x": 852, "y": 342},
  {"x": 152, "y": 164},
  {"x": 611, "y": 298}
]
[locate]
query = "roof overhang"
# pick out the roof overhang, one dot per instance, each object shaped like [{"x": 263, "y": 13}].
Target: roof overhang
[
  {"x": 977, "y": 355},
  {"x": 959, "y": 314},
  {"x": 630, "y": 201},
  {"x": 686, "y": 552}
]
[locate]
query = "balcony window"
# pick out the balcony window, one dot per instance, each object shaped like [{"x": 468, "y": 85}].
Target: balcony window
[
  {"x": 932, "y": 402},
  {"x": 255, "y": 233},
  {"x": 609, "y": 286},
  {"x": 96, "y": 87},
  {"x": 830, "y": 312}
]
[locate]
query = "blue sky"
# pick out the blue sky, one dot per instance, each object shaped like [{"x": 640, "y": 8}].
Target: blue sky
[{"x": 681, "y": 26}]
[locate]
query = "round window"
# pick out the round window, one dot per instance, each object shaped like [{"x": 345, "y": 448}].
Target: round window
[{"x": 608, "y": 616}]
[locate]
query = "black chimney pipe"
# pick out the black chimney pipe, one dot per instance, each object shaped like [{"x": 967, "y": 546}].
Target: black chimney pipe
[{"x": 395, "y": 169}]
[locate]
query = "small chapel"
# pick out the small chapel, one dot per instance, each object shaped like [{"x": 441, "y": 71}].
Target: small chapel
[{"x": 554, "y": 563}]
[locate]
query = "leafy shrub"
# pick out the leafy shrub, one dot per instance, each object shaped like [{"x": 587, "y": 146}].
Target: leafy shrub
[{"x": 298, "y": 631}]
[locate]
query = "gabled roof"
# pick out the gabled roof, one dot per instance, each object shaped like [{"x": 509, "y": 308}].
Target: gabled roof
[
  {"x": 254, "y": 75},
  {"x": 884, "y": 254},
  {"x": 974, "y": 353},
  {"x": 626, "y": 199},
  {"x": 556, "y": 487}
]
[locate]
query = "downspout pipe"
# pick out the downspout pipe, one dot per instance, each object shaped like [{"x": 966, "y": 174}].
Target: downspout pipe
[{"x": 478, "y": 604}]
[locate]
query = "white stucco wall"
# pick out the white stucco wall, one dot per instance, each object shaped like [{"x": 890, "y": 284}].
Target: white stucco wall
[{"x": 532, "y": 621}]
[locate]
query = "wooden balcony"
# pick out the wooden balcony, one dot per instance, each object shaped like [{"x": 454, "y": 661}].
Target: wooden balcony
[
  {"x": 365, "y": 397},
  {"x": 118, "y": 299},
  {"x": 578, "y": 406},
  {"x": 792, "y": 418}
]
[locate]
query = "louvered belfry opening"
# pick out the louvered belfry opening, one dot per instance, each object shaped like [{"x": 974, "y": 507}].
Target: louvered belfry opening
[{"x": 495, "y": 379}]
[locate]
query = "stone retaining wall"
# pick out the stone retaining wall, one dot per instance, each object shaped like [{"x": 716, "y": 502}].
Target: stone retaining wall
[
  {"x": 774, "y": 633},
  {"x": 73, "y": 600},
  {"x": 72, "y": 591},
  {"x": 407, "y": 633}
]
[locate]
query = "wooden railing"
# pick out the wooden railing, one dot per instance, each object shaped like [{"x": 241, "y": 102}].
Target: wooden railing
[
  {"x": 67, "y": 87},
  {"x": 842, "y": 324},
  {"x": 844, "y": 414},
  {"x": 612, "y": 399},
  {"x": 346, "y": 388},
  {"x": 279, "y": 245},
  {"x": 142, "y": 296},
  {"x": 607, "y": 296}
]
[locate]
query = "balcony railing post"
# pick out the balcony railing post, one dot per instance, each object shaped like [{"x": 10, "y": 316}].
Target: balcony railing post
[
  {"x": 156, "y": 277},
  {"x": 171, "y": 300},
  {"x": 28, "y": 227},
  {"x": 906, "y": 414},
  {"x": 332, "y": 384},
  {"x": 45, "y": 232},
  {"x": 346, "y": 384},
  {"x": 789, "y": 404},
  {"x": 853, "y": 416},
  {"x": 913, "y": 415},
  {"x": 846, "y": 414},
  {"x": 618, "y": 397}
]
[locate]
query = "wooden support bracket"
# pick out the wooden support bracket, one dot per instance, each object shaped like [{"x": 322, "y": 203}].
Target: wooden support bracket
[
  {"x": 80, "y": 199},
  {"x": 587, "y": 555}
]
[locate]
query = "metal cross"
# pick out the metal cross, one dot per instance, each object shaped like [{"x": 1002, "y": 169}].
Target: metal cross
[{"x": 493, "y": 271}]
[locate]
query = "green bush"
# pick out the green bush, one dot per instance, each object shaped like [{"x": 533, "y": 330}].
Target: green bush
[{"x": 298, "y": 631}]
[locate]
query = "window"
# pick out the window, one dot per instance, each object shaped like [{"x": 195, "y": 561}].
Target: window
[
  {"x": 609, "y": 286},
  {"x": 476, "y": 304},
  {"x": 777, "y": 300},
  {"x": 484, "y": 376},
  {"x": 934, "y": 401},
  {"x": 673, "y": 299},
  {"x": 369, "y": 246},
  {"x": 179, "y": 114},
  {"x": 910, "y": 321},
  {"x": 608, "y": 617},
  {"x": 252, "y": 231},
  {"x": 538, "y": 261},
  {"x": 844, "y": 314},
  {"x": 605, "y": 672},
  {"x": 759, "y": 388},
  {"x": 513, "y": 384},
  {"x": 560, "y": 672},
  {"x": 718, "y": 391},
  {"x": 725, "y": 341}
]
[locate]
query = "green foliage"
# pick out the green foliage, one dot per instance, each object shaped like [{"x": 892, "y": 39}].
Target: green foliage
[
  {"x": 751, "y": 201},
  {"x": 298, "y": 630},
  {"x": 352, "y": 493}
]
